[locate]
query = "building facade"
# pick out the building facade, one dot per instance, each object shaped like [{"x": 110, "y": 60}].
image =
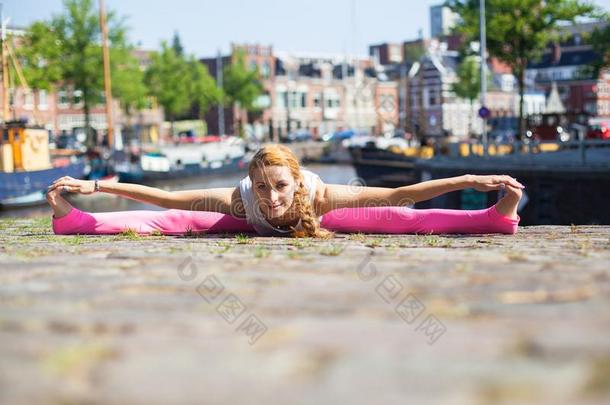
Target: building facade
[
  {"x": 320, "y": 93},
  {"x": 442, "y": 20},
  {"x": 61, "y": 110},
  {"x": 564, "y": 64}
]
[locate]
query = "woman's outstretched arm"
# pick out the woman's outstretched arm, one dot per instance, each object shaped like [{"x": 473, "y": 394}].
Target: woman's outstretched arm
[
  {"x": 333, "y": 196},
  {"x": 221, "y": 200}
]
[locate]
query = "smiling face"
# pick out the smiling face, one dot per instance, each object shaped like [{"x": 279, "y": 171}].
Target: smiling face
[{"x": 274, "y": 189}]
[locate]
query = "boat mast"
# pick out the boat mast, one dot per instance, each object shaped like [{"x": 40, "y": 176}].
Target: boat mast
[
  {"x": 5, "y": 84},
  {"x": 107, "y": 83}
]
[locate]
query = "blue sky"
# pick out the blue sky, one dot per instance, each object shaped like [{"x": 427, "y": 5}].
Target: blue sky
[{"x": 288, "y": 25}]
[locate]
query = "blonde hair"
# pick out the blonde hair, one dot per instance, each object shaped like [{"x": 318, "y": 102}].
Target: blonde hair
[{"x": 279, "y": 155}]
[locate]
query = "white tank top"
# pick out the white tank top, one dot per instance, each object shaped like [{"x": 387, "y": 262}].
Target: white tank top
[{"x": 255, "y": 217}]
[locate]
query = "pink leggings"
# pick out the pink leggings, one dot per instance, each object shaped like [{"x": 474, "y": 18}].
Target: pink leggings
[{"x": 395, "y": 220}]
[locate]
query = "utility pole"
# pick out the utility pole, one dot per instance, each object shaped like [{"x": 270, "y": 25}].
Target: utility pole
[
  {"x": 5, "y": 83},
  {"x": 221, "y": 107},
  {"x": 107, "y": 83},
  {"x": 402, "y": 101},
  {"x": 483, "y": 50}
]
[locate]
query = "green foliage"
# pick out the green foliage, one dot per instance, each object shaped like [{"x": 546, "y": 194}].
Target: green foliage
[
  {"x": 38, "y": 56},
  {"x": 179, "y": 82},
  {"x": 518, "y": 31},
  {"x": 413, "y": 53},
  {"x": 168, "y": 80},
  {"x": 67, "y": 50},
  {"x": 127, "y": 80},
  {"x": 241, "y": 84},
  {"x": 468, "y": 85},
  {"x": 78, "y": 35},
  {"x": 261, "y": 252},
  {"x": 242, "y": 239},
  {"x": 332, "y": 250},
  {"x": 600, "y": 40},
  {"x": 204, "y": 92},
  {"x": 177, "y": 44}
]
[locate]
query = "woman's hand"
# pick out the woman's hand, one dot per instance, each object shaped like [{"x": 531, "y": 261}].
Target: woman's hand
[
  {"x": 494, "y": 182},
  {"x": 72, "y": 185}
]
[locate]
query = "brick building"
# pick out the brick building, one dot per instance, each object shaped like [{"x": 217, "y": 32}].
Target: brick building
[{"x": 61, "y": 110}]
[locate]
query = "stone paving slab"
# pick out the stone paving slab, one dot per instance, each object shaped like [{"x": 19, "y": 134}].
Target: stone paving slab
[{"x": 219, "y": 319}]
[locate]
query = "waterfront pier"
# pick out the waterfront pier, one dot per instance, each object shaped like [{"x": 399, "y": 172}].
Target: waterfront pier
[{"x": 243, "y": 319}]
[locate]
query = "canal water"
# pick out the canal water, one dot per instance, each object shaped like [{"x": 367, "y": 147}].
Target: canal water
[{"x": 102, "y": 202}]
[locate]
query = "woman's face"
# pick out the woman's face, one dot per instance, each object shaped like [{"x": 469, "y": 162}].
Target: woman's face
[{"x": 274, "y": 189}]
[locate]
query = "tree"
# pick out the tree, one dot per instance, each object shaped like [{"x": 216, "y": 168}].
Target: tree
[
  {"x": 600, "y": 40},
  {"x": 468, "y": 85},
  {"x": 38, "y": 55},
  {"x": 128, "y": 82},
  {"x": 180, "y": 83},
  {"x": 67, "y": 50},
  {"x": 203, "y": 90},
  {"x": 518, "y": 31},
  {"x": 241, "y": 84},
  {"x": 177, "y": 44},
  {"x": 79, "y": 36},
  {"x": 169, "y": 80}
]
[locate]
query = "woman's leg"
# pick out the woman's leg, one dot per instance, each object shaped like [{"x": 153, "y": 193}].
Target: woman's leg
[
  {"x": 500, "y": 218},
  {"x": 69, "y": 220}
]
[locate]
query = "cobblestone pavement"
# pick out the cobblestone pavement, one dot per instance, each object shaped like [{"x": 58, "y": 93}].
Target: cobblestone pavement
[{"x": 365, "y": 319}]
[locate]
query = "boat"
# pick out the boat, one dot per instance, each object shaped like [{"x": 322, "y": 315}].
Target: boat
[
  {"x": 570, "y": 185},
  {"x": 26, "y": 169},
  {"x": 386, "y": 162},
  {"x": 26, "y": 166},
  {"x": 168, "y": 162}
]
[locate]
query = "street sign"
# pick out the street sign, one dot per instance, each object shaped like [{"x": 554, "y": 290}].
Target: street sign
[{"x": 484, "y": 112}]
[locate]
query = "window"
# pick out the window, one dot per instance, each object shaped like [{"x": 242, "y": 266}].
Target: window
[
  {"x": 387, "y": 103},
  {"x": 63, "y": 98},
  {"x": 303, "y": 98},
  {"x": 577, "y": 39},
  {"x": 266, "y": 70},
  {"x": 77, "y": 97},
  {"x": 292, "y": 99},
  {"x": 28, "y": 100},
  {"x": 317, "y": 100},
  {"x": 42, "y": 100},
  {"x": 333, "y": 102},
  {"x": 281, "y": 99},
  {"x": 253, "y": 65}
]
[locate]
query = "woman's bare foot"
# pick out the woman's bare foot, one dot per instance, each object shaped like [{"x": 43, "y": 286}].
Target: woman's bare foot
[
  {"x": 59, "y": 205},
  {"x": 507, "y": 206}
]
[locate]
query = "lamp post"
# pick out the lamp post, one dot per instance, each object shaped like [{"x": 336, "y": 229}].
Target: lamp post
[
  {"x": 221, "y": 106},
  {"x": 107, "y": 82},
  {"x": 483, "y": 71}
]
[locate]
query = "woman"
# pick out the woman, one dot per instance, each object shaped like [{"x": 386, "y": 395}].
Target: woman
[{"x": 279, "y": 198}]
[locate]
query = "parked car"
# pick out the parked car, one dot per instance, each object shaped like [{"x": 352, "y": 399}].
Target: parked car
[
  {"x": 340, "y": 136},
  {"x": 503, "y": 129},
  {"x": 301, "y": 135},
  {"x": 75, "y": 141},
  {"x": 568, "y": 127},
  {"x": 599, "y": 128}
]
